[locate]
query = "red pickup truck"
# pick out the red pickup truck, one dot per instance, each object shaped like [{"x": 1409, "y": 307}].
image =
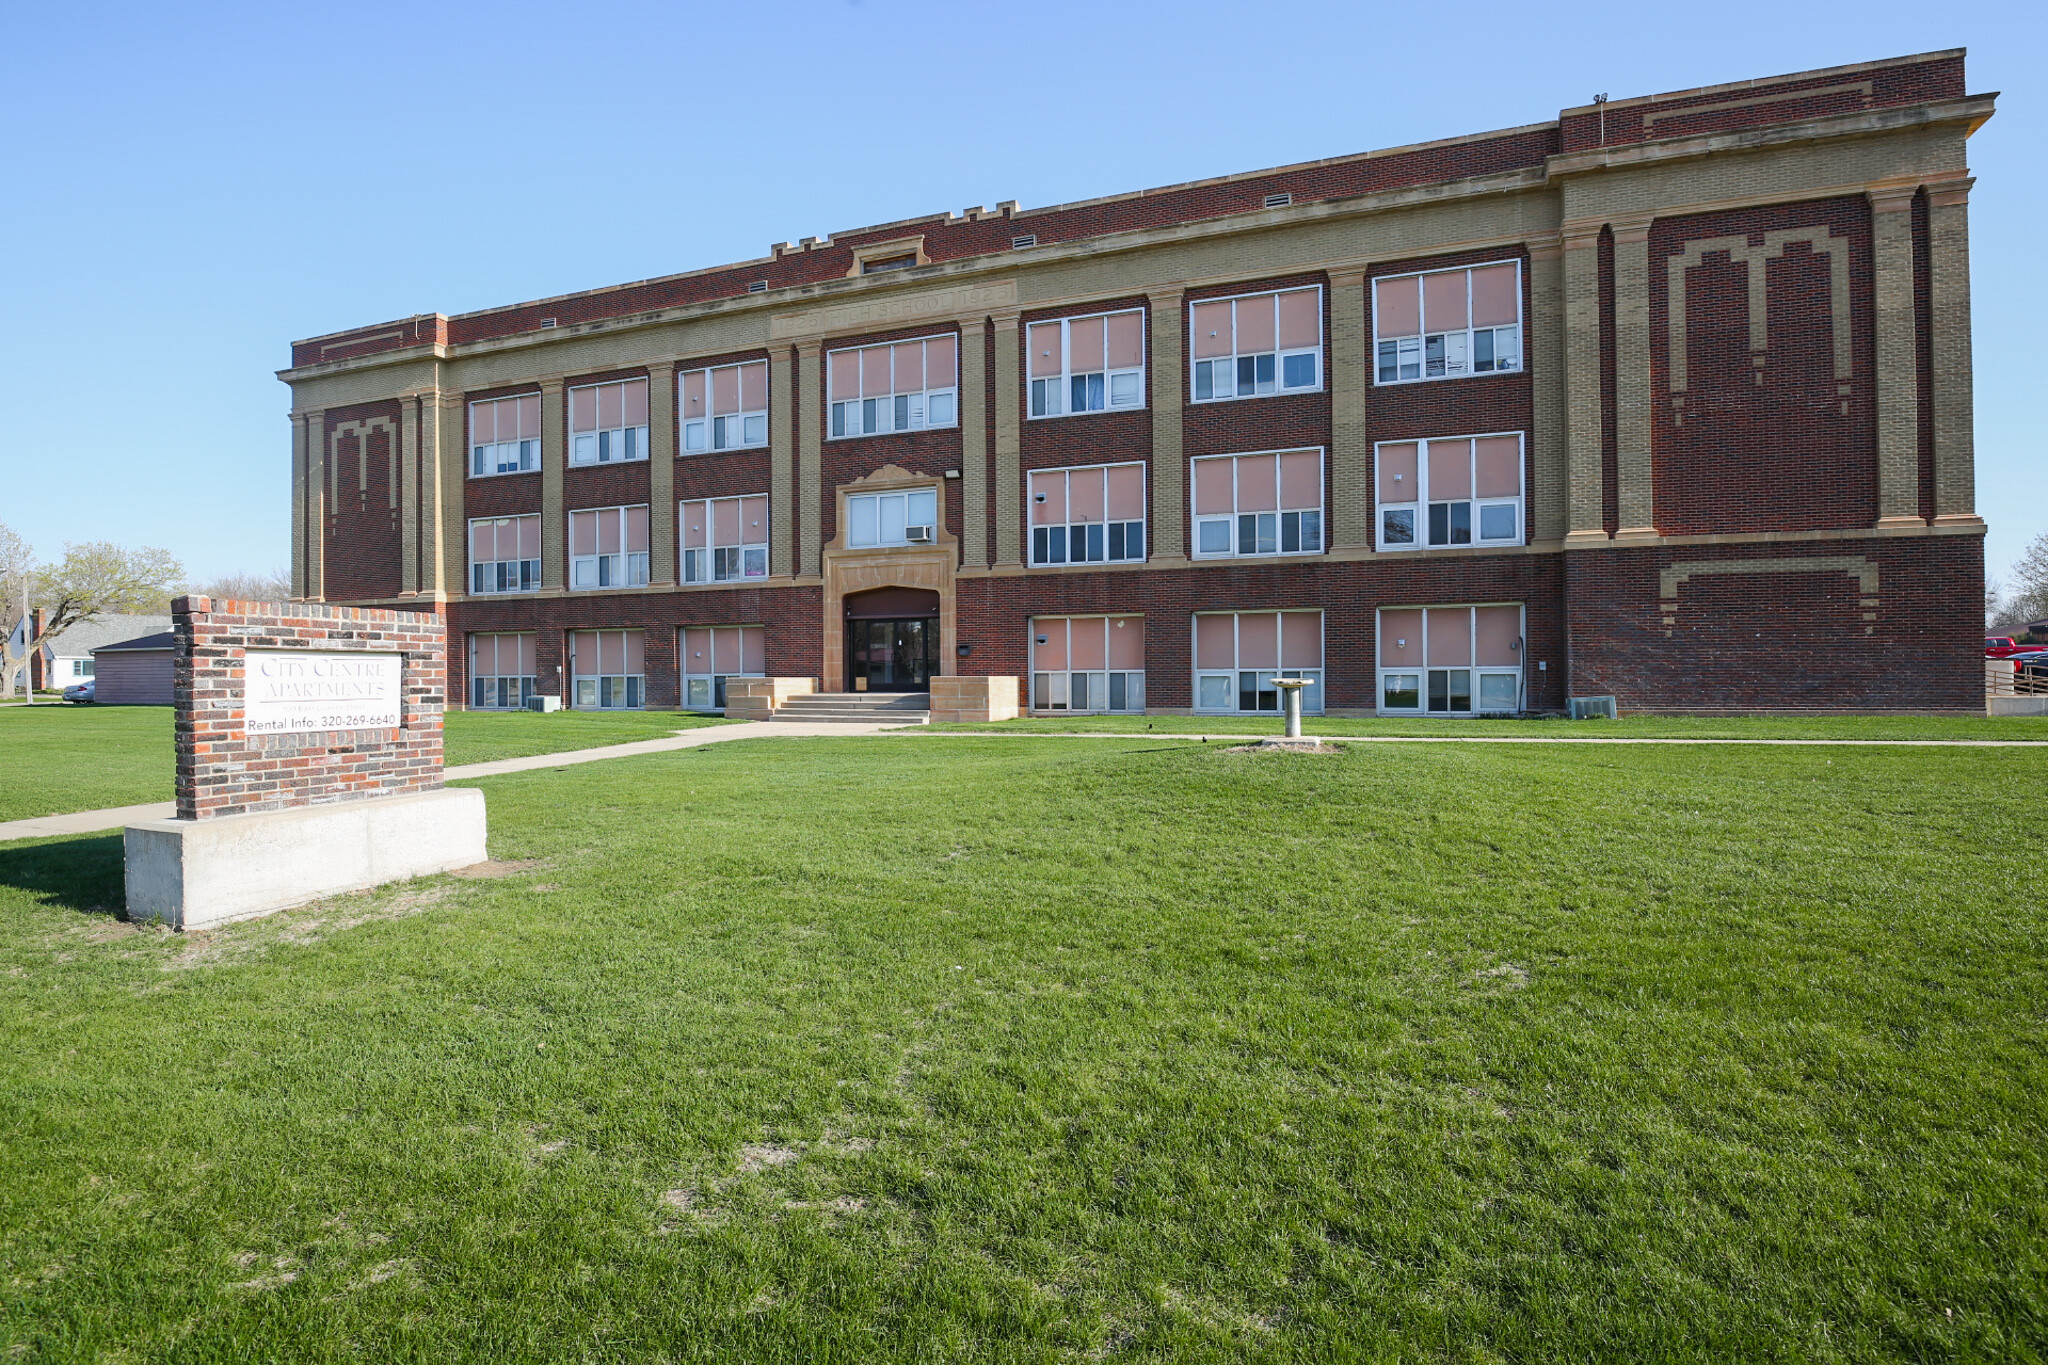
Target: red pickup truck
[{"x": 2004, "y": 647}]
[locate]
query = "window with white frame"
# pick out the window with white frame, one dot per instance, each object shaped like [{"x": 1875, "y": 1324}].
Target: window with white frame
[
  {"x": 712, "y": 654},
  {"x": 1268, "y": 504},
  {"x": 1092, "y": 515},
  {"x": 1088, "y": 663},
  {"x": 504, "y": 435},
  {"x": 608, "y": 422},
  {"x": 1238, "y": 654},
  {"x": 1088, "y": 364},
  {"x": 724, "y": 540},
  {"x": 1442, "y": 324},
  {"x": 504, "y": 554},
  {"x": 502, "y": 674},
  {"x": 895, "y": 386},
  {"x": 81, "y": 669},
  {"x": 608, "y": 547},
  {"x": 910, "y": 517},
  {"x": 607, "y": 669},
  {"x": 1461, "y": 490},
  {"x": 724, "y": 407},
  {"x": 1450, "y": 661},
  {"x": 1257, "y": 344}
]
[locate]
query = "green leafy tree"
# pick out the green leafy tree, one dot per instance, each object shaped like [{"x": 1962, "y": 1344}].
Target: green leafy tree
[{"x": 96, "y": 578}]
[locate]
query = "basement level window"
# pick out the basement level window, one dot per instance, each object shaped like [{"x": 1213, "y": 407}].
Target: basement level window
[
  {"x": 1027, "y": 239},
  {"x": 903, "y": 262},
  {"x": 1279, "y": 201}
]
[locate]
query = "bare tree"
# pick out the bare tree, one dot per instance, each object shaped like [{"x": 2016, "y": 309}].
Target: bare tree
[
  {"x": 274, "y": 586},
  {"x": 17, "y": 585},
  {"x": 2027, "y": 599},
  {"x": 93, "y": 579}
]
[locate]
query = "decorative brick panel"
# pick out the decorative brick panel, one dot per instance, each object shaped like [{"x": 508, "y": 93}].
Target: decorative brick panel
[{"x": 222, "y": 770}]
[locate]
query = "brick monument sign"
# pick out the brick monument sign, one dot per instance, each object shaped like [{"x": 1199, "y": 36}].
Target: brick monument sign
[{"x": 309, "y": 762}]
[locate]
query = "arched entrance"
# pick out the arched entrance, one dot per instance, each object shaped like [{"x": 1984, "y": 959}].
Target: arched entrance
[{"x": 892, "y": 640}]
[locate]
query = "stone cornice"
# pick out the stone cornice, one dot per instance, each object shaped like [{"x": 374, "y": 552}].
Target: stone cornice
[
  {"x": 795, "y": 309},
  {"x": 1972, "y": 111}
]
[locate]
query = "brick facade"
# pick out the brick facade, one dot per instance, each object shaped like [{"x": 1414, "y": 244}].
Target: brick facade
[
  {"x": 1701, "y": 401},
  {"x": 222, "y": 770}
]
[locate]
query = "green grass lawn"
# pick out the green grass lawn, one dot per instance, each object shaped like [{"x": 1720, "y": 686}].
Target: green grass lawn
[
  {"x": 1636, "y": 727},
  {"x": 1066, "y": 1051},
  {"x": 58, "y": 759}
]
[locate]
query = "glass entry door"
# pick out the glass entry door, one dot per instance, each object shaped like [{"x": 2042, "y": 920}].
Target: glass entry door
[{"x": 893, "y": 656}]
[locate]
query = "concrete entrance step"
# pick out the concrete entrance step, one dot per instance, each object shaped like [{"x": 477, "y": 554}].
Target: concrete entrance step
[{"x": 899, "y": 708}]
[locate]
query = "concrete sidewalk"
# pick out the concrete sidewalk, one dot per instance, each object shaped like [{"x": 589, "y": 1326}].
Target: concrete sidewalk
[{"x": 114, "y": 817}]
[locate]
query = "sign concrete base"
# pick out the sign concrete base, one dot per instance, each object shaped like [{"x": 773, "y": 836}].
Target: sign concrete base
[{"x": 193, "y": 873}]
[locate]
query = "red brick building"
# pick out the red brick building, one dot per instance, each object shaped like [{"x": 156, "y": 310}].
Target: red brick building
[{"x": 1668, "y": 398}]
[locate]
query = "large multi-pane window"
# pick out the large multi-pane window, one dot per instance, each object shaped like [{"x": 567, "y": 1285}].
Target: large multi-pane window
[
  {"x": 1088, "y": 364},
  {"x": 608, "y": 422},
  {"x": 1270, "y": 504},
  {"x": 1465, "y": 490},
  {"x": 1088, "y": 663},
  {"x": 504, "y": 435},
  {"x": 724, "y": 407},
  {"x": 1238, "y": 654},
  {"x": 895, "y": 386},
  {"x": 501, "y": 671},
  {"x": 1451, "y": 661},
  {"x": 1257, "y": 344},
  {"x": 1441, "y": 324},
  {"x": 504, "y": 554},
  {"x": 910, "y": 517},
  {"x": 607, "y": 669},
  {"x": 724, "y": 540},
  {"x": 1093, "y": 515},
  {"x": 712, "y": 654},
  {"x": 608, "y": 547}
]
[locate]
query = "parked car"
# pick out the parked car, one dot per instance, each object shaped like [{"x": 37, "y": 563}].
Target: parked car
[
  {"x": 81, "y": 693},
  {"x": 2005, "y": 646},
  {"x": 2032, "y": 665}
]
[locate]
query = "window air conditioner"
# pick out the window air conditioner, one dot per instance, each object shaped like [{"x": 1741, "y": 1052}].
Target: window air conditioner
[{"x": 918, "y": 535}]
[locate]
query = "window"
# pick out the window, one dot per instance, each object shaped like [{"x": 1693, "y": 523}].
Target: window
[
  {"x": 1450, "y": 661},
  {"x": 1463, "y": 491},
  {"x": 897, "y": 386},
  {"x": 607, "y": 669},
  {"x": 504, "y": 435},
  {"x": 882, "y": 263},
  {"x": 504, "y": 554},
  {"x": 83, "y": 668},
  {"x": 1238, "y": 654},
  {"x": 1088, "y": 516},
  {"x": 1447, "y": 323},
  {"x": 725, "y": 407},
  {"x": 1087, "y": 364},
  {"x": 1259, "y": 344},
  {"x": 908, "y": 518},
  {"x": 724, "y": 540},
  {"x": 501, "y": 671},
  {"x": 1259, "y": 504},
  {"x": 608, "y": 547},
  {"x": 608, "y": 422},
  {"x": 1088, "y": 663},
  {"x": 711, "y": 654}
]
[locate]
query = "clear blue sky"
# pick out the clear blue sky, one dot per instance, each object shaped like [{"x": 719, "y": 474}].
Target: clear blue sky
[{"x": 190, "y": 187}]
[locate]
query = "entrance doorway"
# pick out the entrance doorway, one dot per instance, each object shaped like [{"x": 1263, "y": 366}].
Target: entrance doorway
[{"x": 892, "y": 640}]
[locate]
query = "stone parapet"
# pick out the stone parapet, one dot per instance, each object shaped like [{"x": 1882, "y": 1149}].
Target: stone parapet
[
  {"x": 973, "y": 700},
  {"x": 758, "y": 698}
]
